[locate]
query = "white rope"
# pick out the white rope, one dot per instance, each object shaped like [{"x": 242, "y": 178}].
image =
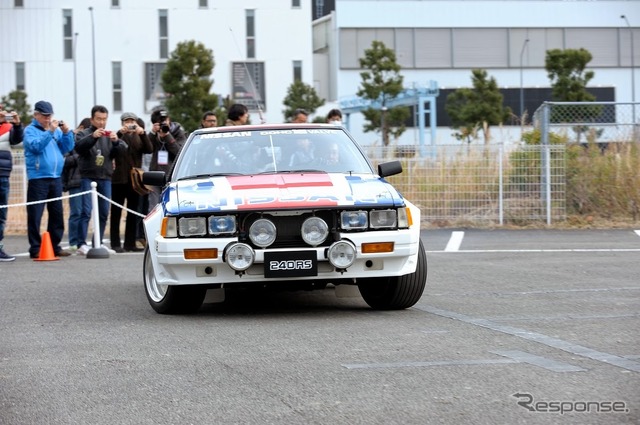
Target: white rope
[
  {"x": 71, "y": 196},
  {"x": 46, "y": 200},
  {"x": 121, "y": 206}
]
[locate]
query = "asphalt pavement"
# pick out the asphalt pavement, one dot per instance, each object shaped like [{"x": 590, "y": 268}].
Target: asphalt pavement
[{"x": 519, "y": 327}]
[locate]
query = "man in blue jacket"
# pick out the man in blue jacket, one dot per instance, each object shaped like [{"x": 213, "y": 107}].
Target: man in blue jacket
[{"x": 46, "y": 140}]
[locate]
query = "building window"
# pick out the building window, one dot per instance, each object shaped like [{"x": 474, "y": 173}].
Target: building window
[
  {"x": 251, "y": 33},
  {"x": 163, "y": 23},
  {"x": 67, "y": 33},
  {"x": 20, "y": 78},
  {"x": 116, "y": 75},
  {"x": 115, "y": 3},
  {"x": 18, "y": 3},
  {"x": 248, "y": 80},
  {"x": 153, "y": 92},
  {"x": 204, "y": 3},
  {"x": 295, "y": 3},
  {"x": 297, "y": 70}
]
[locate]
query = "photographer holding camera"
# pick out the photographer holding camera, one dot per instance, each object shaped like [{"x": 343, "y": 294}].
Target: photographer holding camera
[
  {"x": 45, "y": 142},
  {"x": 167, "y": 139},
  {"x": 97, "y": 148},
  {"x": 11, "y": 132},
  {"x": 122, "y": 188}
]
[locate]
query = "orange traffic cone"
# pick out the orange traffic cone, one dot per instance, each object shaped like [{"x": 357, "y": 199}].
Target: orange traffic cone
[{"x": 46, "y": 249}]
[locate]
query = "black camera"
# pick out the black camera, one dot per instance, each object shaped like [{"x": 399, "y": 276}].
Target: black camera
[
  {"x": 61, "y": 123},
  {"x": 164, "y": 127},
  {"x": 131, "y": 127}
]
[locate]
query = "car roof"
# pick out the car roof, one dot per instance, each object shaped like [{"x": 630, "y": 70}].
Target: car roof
[{"x": 280, "y": 126}]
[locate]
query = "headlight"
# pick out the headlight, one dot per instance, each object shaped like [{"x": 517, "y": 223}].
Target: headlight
[
  {"x": 342, "y": 254},
  {"x": 350, "y": 220},
  {"x": 380, "y": 219},
  {"x": 262, "y": 232},
  {"x": 314, "y": 231},
  {"x": 192, "y": 226},
  {"x": 222, "y": 224},
  {"x": 239, "y": 256}
]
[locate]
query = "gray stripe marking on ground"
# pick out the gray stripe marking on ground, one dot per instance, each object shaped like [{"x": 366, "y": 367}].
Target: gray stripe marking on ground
[
  {"x": 569, "y": 347},
  {"x": 549, "y": 364}
]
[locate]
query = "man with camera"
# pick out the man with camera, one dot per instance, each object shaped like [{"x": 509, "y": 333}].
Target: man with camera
[
  {"x": 97, "y": 148},
  {"x": 167, "y": 139},
  {"x": 122, "y": 188},
  {"x": 46, "y": 140},
  {"x": 11, "y": 133}
]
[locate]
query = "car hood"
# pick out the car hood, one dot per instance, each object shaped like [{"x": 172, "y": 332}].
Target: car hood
[{"x": 279, "y": 191}]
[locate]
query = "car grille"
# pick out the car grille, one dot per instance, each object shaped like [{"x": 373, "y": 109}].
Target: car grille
[{"x": 288, "y": 228}]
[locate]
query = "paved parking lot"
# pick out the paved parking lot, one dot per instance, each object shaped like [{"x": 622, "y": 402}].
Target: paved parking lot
[{"x": 526, "y": 326}]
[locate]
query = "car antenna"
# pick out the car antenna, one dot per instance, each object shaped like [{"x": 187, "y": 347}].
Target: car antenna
[{"x": 253, "y": 86}]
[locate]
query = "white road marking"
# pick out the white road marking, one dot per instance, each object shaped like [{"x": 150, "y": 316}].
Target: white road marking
[
  {"x": 455, "y": 241},
  {"x": 637, "y": 232},
  {"x": 485, "y": 251}
]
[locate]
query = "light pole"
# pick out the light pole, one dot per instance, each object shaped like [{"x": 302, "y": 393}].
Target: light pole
[
  {"x": 93, "y": 53},
  {"x": 633, "y": 77},
  {"x": 524, "y": 45},
  {"x": 75, "y": 80}
]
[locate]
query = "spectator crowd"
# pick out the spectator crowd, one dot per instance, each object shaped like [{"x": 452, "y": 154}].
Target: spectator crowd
[{"x": 59, "y": 158}]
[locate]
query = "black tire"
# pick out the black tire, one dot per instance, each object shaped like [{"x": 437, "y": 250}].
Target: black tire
[
  {"x": 167, "y": 299},
  {"x": 396, "y": 293}
]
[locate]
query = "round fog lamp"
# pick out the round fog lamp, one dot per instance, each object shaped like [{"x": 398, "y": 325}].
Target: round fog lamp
[
  {"x": 240, "y": 256},
  {"x": 262, "y": 232},
  {"x": 314, "y": 231},
  {"x": 342, "y": 254}
]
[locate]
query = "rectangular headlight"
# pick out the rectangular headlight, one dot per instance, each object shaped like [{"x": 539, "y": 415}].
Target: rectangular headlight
[
  {"x": 351, "y": 220},
  {"x": 192, "y": 226},
  {"x": 222, "y": 224},
  {"x": 383, "y": 219}
]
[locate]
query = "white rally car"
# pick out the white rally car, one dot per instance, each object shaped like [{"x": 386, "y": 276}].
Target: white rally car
[{"x": 280, "y": 206}]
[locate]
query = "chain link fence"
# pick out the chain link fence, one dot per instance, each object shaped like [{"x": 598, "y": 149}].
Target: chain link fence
[
  {"x": 459, "y": 185},
  {"x": 588, "y": 122},
  {"x": 454, "y": 185}
]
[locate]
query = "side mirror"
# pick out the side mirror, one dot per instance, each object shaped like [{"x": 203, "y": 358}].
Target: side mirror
[
  {"x": 154, "y": 178},
  {"x": 389, "y": 168}
]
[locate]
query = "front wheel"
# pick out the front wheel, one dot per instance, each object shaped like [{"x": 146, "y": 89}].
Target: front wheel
[
  {"x": 396, "y": 293},
  {"x": 168, "y": 299}
]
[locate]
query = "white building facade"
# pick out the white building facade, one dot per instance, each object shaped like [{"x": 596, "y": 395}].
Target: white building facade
[
  {"x": 443, "y": 41},
  {"x": 78, "y": 53}
]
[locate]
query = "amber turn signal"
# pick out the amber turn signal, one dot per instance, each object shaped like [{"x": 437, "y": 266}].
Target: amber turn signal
[
  {"x": 370, "y": 248},
  {"x": 200, "y": 254}
]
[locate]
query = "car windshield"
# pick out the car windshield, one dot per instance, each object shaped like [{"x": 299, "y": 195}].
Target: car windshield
[{"x": 276, "y": 150}]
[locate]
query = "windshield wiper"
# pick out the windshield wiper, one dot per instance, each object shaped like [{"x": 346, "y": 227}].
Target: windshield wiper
[
  {"x": 200, "y": 176},
  {"x": 293, "y": 171}
]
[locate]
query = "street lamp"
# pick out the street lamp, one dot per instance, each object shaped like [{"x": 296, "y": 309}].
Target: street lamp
[
  {"x": 93, "y": 52},
  {"x": 524, "y": 45},
  {"x": 75, "y": 79},
  {"x": 633, "y": 77}
]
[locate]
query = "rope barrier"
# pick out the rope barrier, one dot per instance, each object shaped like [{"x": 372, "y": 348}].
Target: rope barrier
[
  {"x": 24, "y": 204},
  {"x": 87, "y": 192}
]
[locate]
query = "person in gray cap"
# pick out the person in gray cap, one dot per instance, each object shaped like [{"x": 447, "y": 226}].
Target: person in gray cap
[
  {"x": 45, "y": 142},
  {"x": 122, "y": 189}
]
